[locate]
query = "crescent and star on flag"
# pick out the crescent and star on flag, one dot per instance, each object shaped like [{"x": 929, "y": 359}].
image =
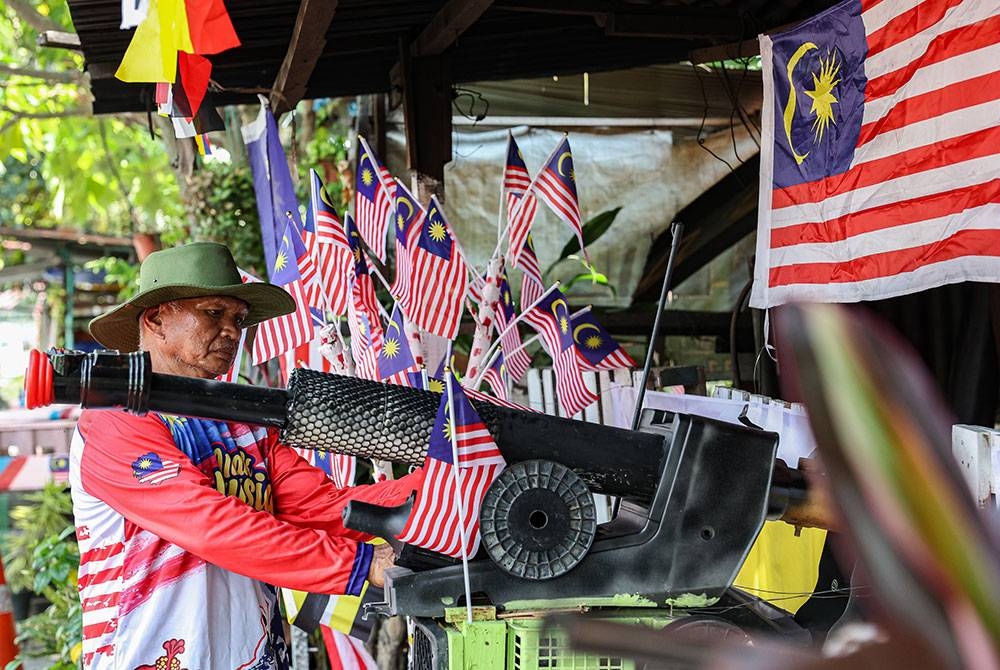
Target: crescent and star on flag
[
  {"x": 590, "y": 341},
  {"x": 825, "y": 80},
  {"x": 391, "y": 346},
  {"x": 400, "y": 218}
]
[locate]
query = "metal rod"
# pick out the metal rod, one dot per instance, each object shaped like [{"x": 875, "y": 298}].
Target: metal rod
[{"x": 677, "y": 231}]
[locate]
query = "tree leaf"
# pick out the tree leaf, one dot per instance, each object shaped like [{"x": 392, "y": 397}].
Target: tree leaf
[
  {"x": 592, "y": 231},
  {"x": 594, "y": 277}
]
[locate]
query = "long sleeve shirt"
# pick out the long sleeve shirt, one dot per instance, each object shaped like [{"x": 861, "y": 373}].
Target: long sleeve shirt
[{"x": 186, "y": 526}]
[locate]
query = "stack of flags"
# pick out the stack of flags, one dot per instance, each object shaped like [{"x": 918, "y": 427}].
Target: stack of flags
[{"x": 328, "y": 264}]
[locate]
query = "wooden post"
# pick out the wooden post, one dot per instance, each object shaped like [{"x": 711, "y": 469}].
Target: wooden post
[{"x": 427, "y": 117}]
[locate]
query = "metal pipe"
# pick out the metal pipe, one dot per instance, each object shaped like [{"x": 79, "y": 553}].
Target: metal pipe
[{"x": 677, "y": 231}]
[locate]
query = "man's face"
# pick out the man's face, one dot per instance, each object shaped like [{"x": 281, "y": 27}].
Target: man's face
[{"x": 194, "y": 337}]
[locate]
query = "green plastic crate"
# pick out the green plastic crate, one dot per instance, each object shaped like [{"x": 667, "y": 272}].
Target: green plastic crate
[{"x": 531, "y": 646}]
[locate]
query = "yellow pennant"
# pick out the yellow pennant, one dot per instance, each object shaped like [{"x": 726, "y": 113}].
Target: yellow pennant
[{"x": 152, "y": 53}]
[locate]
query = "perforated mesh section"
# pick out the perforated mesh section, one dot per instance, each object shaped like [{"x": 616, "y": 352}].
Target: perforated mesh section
[{"x": 364, "y": 418}]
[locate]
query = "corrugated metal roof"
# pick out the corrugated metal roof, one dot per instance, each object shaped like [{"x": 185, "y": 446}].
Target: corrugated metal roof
[{"x": 512, "y": 39}]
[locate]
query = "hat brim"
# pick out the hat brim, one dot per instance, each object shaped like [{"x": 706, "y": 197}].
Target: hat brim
[{"x": 119, "y": 328}]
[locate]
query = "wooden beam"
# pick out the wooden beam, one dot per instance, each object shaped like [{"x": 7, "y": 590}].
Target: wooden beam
[
  {"x": 564, "y": 7},
  {"x": 733, "y": 50},
  {"x": 304, "y": 49},
  {"x": 674, "y": 26},
  {"x": 64, "y": 236},
  {"x": 58, "y": 39},
  {"x": 453, "y": 19}
]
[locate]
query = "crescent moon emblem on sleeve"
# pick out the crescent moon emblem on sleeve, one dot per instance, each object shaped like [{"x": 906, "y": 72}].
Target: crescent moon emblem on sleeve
[
  {"x": 789, "y": 114},
  {"x": 563, "y": 156}
]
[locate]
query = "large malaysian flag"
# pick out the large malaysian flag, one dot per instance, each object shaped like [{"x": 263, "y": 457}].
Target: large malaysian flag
[{"x": 880, "y": 160}]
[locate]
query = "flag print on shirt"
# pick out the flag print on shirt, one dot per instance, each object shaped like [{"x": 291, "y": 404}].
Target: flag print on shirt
[{"x": 151, "y": 469}]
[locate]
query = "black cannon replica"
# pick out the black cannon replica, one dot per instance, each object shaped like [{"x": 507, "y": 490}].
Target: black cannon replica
[{"x": 694, "y": 492}]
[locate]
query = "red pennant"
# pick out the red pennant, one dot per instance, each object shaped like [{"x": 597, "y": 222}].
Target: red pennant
[
  {"x": 211, "y": 29},
  {"x": 195, "y": 72}
]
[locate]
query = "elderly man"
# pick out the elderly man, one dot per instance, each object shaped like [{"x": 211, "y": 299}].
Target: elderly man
[{"x": 186, "y": 525}]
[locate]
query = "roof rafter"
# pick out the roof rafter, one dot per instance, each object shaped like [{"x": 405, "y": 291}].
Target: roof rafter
[
  {"x": 453, "y": 19},
  {"x": 304, "y": 50}
]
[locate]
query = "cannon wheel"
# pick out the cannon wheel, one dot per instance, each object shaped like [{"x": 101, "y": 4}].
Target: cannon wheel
[{"x": 537, "y": 520}]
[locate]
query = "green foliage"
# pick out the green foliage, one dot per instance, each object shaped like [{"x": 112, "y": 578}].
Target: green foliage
[
  {"x": 222, "y": 207},
  {"x": 118, "y": 271},
  {"x": 68, "y": 168},
  {"x": 593, "y": 230},
  {"x": 44, "y": 514},
  {"x": 42, "y": 555}
]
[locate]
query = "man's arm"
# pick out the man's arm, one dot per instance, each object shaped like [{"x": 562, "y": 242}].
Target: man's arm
[
  {"x": 181, "y": 506},
  {"x": 305, "y": 496}
]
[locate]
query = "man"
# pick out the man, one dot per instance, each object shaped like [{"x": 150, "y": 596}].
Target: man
[{"x": 186, "y": 525}]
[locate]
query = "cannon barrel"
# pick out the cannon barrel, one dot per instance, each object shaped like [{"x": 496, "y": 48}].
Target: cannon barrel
[{"x": 346, "y": 415}]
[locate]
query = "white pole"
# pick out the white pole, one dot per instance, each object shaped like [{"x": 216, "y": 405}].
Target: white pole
[
  {"x": 513, "y": 322},
  {"x": 524, "y": 345},
  {"x": 458, "y": 486}
]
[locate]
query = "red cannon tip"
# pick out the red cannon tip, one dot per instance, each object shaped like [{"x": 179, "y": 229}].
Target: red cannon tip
[{"x": 38, "y": 388}]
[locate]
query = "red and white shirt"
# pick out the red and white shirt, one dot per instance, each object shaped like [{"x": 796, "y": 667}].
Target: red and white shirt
[{"x": 186, "y": 526}]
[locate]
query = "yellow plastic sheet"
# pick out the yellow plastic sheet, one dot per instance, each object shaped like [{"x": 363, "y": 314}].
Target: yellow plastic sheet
[{"x": 782, "y": 568}]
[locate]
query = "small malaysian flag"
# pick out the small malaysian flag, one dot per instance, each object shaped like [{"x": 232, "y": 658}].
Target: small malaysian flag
[
  {"x": 330, "y": 251},
  {"x": 434, "y": 523},
  {"x": 408, "y": 219},
  {"x": 516, "y": 178},
  {"x": 551, "y": 318},
  {"x": 282, "y": 333},
  {"x": 518, "y": 360},
  {"x": 439, "y": 276},
  {"x": 374, "y": 197},
  {"x": 597, "y": 349},
  {"x": 59, "y": 468},
  {"x": 556, "y": 186},
  {"x": 363, "y": 311},
  {"x": 151, "y": 469},
  {"x": 497, "y": 379},
  {"x": 531, "y": 281},
  {"x": 395, "y": 357},
  {"x": 521, "y": 210}
]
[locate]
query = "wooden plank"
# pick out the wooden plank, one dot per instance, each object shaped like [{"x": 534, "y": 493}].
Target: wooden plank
[
  {"x": 592, "y": 412},
  {"x": 536, "y": 398},
  {"x": 304, "y": 49},
  {"x": 453, "y": 19},
  {"x": 549, "y": 393},
  {"x": 604, "y": 392},
  {"x": 971, "y": 447}
]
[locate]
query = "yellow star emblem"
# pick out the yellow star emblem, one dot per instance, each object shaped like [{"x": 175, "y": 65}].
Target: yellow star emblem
[
  {"x": 367, "y": 177},
  {"x": 437, "y": 231}
]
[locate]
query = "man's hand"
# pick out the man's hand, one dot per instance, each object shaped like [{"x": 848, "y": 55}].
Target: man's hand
[{"x": 383, "y": 558}]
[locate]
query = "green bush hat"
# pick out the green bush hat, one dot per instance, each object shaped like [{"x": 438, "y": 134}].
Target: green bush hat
[{"x": 189, "y": 271}]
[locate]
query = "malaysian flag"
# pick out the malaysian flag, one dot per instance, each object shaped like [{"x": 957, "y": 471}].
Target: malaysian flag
[
  {"x": 409, "y": 216},
  {"x": 330, "y": 250},
  {"x": 556, "y": 186},
  {"x": 521, "y": 210},
  {"x": 396, "y": 358},
  {"x": 597, "y": 349},
  {"x": 272, "y": 182},
  {"x": 880, "y": 159},
  {"x": 434, "y": 523},
  {"x": 438, "y": 276},
  {"x": 551, "y": 319},
  {"x": 363, "y": 310},
  {"x": 276, "y": 336},
  {"x": 515, "y": 173},
  {"x": 151, "y": 469},
  {"x": 531, "y": 282},
  {"x": 496, "y": 377},
  {"x": 374, "y": 196},
  {"x": 518, "y": 360}
]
